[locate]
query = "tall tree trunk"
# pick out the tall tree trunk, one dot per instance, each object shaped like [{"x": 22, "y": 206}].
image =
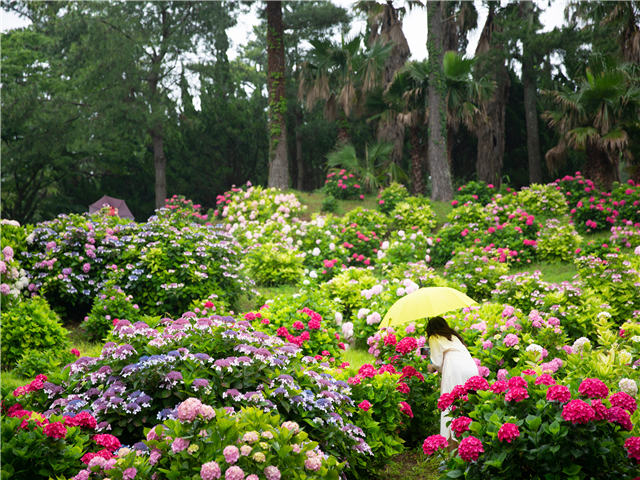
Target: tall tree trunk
[
  {"x": 491, "y": 133},
  {"x": 278, "y": 164},
  {"x": 160, "y": 162},
  {"x": 417, "y": 177},
  {"x": 451, "y": 139},
  {"x": 299, "y": 159},
  {"x": 530, "y": 101},
  {"x": 439, "y": 166},
  {"x": 603, "y": 169},
  {"x": 391, "y": 31}
]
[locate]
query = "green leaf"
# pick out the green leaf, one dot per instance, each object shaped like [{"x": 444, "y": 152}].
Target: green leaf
[{"x": 454, "y": 474}]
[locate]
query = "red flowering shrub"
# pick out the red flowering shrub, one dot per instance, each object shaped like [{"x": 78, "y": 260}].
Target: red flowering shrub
[
  {"x": 593, "y": 388},
  {"x": 508, "y": 432},
  {"x": 433, "y": 444}
]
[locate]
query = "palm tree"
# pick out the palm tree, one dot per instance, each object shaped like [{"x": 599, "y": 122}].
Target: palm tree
[
  {"x": 602, "y": 117},
  {"x": 374, "y": 170},
  {"x": 622, "y": 16},
  {"x": 465, "y": 98},
  {"x": 341, "y": 75},
  {"x": 407, "y": 98}
]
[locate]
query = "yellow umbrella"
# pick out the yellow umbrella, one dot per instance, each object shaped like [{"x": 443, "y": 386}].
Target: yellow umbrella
[{"x": 425, "y": 302}]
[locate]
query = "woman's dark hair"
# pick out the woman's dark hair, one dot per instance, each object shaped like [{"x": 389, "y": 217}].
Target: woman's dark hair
[{"x": 439, "y": 326}]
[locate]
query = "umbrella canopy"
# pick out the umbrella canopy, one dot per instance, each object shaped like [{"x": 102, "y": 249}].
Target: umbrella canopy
[
  {"x": 425, "y": 302},
  {"x": 123, "y": 210}
]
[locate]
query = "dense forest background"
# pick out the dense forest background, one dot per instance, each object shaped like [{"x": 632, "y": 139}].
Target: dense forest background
[{"x": 98, "y": 98}]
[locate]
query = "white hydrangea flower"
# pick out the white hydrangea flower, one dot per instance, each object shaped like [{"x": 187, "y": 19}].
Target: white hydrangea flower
[
  {"x": 628, "y": 386},
  {"x": 313, "y": 274},
  {"x": 384, "y": 245},
  {"x": 332, "y": 246},
  {"x": 534, "y": 347},
  {"x": 579, "y": 344},
  {"x": 338, "y": 318},
  {"x": 316, "y": 252}
]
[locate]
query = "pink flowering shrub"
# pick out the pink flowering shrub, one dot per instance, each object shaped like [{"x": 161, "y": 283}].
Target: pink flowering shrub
[
  {"x": 343, "y": 186},
  {"x": 248, "y": 444},
  {"x": 523, "y": 428},
  {"x": 39, "y": 447}
]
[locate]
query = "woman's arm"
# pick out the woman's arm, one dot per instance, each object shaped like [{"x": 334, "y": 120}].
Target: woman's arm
[{"x": 437, "y": 355}]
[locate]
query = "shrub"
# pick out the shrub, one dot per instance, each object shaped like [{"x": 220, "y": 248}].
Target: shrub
[
  {"x": 536, "y": 429},
  {"x": 37, "y": 447},
  {"x": 414, "y": 213},
  {"x": 329, "y": 204},
  {"x": 271, "y": 264},
  {"x": 478, "y": 270},
  {"x": 367, "y": 219},
  {"x": 34, "y": 362},
  {"x": 30, "y": 325},
  {"x": 257, "y": 204},
  {"x": 390, "y": 197},
  {"x": 13, "y": 277},
  {"x": 343, "y": 186},
  {"x": 206, "y": 443},
  {"x": 545, "y": 200},
  {"x": 470, "y": 213},
  {"x": 179, "y": 210},
  {"x": 347, "y": 286},
  {"x": 404, "y": 247},
  {"x": 557, "y": 242},
  {"x": 108, "y": 307},
  {"x": 474, "y": 192},
  {"x": 222, "y": 362}
]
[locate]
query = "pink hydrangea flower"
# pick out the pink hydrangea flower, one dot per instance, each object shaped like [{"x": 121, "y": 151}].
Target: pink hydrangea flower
[
  {"x": 406, "y": 345},
  {"x": 519, "y": 382},
  {"x": 107, "y": 441},
  {"x": 511, "y": 339},
  {"x": 210, "y": 471},
  {"x": 250, "y": 437},
  {"x": 502, "y": 374},
  {"x": 460, "y": 424},
  {"x": 129, "y": 474},
  {"x": 599, "y": 409},
  {"x": 231, "y": 454},
  {"x": 470, "y": 448},
  {"x": 445, "y": 401},
  {"x": 189, "y": 409},
  {"x": 593, "y": 388},
  {"x": 272, "y": 472},
  {"x": 234, "y": 473},
  {"x": 487, "y": 345},
  {"x": 624, "y": 401},
  {"x": 313, "y": 463},
  {"x": 433, "y": 444},
  {"x": 406, "y": 409},
  {"x": 558, "y": 393},
  {"x": 365, "y": 405},
  {"x": 179, "y": 444},
  {"x": 578, "y": 411}
]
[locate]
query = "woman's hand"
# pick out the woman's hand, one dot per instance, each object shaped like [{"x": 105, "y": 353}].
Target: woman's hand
[{"x": 431, "y": 368}]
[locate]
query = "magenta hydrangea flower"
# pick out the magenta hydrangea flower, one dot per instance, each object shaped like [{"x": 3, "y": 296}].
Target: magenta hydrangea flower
[
  {"x": 445, "y": 401},
  {"x": 516, "y": 394},
  {"x": 578, "y": 411},
  {"x": 632, "y": 444},
  {"x": 460, "y": 424},
  {"x": 558, "y": 393},
  {"x": 624, "y": 401},
  {"x": 365, "y": 405},
  {"x": 231, "y": 454},
  {"x": 433, "y": 444},
  {"x": 593, "y": 388},
  {"x": 487, "y": 345},
  {"x": 476, "y": 383},
  {"x": 55, "y": 430},
  {"x": 545, "y": 379},
  {"x": 272, "y": 472},
  {"x": 508, "y": 432},
  {"x": 234, "y": 473},
  {"x": 470, "y": 448},
  {"x": 107, "y": 441},
  {"x": 599, "y": 409},
  {"x": 620, "y": 416},
  {"x": 511, "y": 339},
  {"x": 210, "y": 471},
  {"x": 499, "y": 386},
  {"x": 517, "y": 382}
]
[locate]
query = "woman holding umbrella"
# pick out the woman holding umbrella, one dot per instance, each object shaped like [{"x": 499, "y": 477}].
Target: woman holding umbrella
[{"x": 450, "y": 357}]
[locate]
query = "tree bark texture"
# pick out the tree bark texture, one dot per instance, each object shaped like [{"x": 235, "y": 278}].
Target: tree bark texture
[
  {"x": 299, "y": 159},
  {"x": 391, "y": 31},
  {"x": 442, "y": 189},
  {"x": 417, "y": 175},
  {"x": 491, "y": 133},
  {"x": 531, "y": 102},
  {"x": 603, "y": 169},
  {"x": 278, "y": 163},
  {"x": 160, "y": 162}
]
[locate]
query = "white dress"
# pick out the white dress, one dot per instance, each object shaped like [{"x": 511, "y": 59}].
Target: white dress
[{"x": 453, "y": 360}]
